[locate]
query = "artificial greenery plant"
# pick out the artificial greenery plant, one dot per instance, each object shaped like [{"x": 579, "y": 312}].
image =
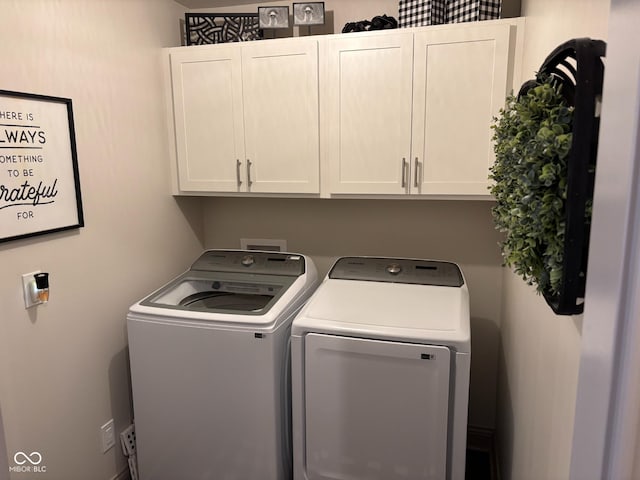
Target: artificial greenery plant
[{"x": 532, "y": 136}]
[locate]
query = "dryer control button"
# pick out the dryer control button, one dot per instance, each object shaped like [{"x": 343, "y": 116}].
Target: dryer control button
[
  {"x": 248, "y": 260},
  {"x": 394, "y": 268}
]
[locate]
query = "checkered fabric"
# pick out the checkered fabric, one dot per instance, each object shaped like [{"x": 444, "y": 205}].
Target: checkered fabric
[
  {"x": 416, "y": 13},
  {"x": 472, "y": 10}
]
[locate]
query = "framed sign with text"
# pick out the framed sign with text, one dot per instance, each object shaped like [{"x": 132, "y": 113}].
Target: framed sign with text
[{"x": 39, "y": 181}]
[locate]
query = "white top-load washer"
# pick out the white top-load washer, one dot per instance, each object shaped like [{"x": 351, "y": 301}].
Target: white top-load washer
[
  {"x": 380, "y": 373},
  {"x": 209, "y": 367}
]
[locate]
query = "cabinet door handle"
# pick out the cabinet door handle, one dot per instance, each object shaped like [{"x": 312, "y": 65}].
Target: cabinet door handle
[
  {"x": 404, "y": 172},
  {"x": 416, "y": 173},
  {"x": 249, "y": 181},
  {"x": 238, "y": 165}
]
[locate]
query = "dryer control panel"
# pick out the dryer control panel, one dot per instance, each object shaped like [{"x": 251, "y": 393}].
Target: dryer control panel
[{"x": 398, "y": 270}]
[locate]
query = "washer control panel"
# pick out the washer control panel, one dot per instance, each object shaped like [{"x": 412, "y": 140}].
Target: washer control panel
[
  {"x": 398, "y": 270},
  {"x": 249, "y": 261},
  {"x": 394, "y": 268}
]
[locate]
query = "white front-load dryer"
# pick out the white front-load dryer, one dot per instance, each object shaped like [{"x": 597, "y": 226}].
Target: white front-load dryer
[
  {"x": 380, "y": 373},
  {"x": 209, "y": 367}
]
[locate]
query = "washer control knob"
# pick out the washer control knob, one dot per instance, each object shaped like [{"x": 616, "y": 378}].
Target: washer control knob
[
  {"x": 248, "y": 260},
  {"x": 394, "y": 268}
]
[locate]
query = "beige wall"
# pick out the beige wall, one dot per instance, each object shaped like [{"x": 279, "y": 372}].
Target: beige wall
[
  {"x": 63, "y": 366},
  {"x": 459, "y": 231},
  {"x": 338, "y": 12},
  {"x": 540, "y": 352},
  {"x": 636, "y": 463},
  {"x": 539, "y": 362}
]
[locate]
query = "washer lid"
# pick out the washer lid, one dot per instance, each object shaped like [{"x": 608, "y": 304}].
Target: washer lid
[
  {"x": 221, "y": 292},
  {"x": 237, "y": 286}
]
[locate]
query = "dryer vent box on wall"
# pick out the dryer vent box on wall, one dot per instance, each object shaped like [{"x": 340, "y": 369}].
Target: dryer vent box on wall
[{"x": 265, "y": 244}]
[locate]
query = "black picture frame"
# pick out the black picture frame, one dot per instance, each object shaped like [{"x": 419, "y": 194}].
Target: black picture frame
[
  {"x": 211, "y": 28},
  {"x": 308, "y": 14},
  {"x": 273, "y": 17},
  {"x": 39, "y": 178}
]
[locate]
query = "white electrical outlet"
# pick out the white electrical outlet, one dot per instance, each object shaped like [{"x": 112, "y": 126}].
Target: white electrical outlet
[
  {"x": 108, "y": 431},
  {"x": 128, "y": 440}
]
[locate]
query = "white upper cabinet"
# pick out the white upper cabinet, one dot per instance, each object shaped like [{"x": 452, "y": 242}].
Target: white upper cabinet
[
  {"x": 246, "y": 117},
  {"x": 410, "y": 113},
  {"x": 208, "y": 122},
  {"x": 460, "y": 83},
  {"x": 389, "y": 113},
  {"x": 280, "y": 85},
  {"x": 366, "y": 101}
]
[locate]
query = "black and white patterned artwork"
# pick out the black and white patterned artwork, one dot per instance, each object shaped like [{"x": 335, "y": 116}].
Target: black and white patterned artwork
[{"x": 206, "y": 28}]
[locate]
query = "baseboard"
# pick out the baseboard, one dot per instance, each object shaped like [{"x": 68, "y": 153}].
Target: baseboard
[
  {"x": 483, "y": 439},
  {"x": 123, "y": 475},
  {"x": 479, "y": 438}
]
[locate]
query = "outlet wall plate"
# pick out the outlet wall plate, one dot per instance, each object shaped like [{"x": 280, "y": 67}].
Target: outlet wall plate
[
  {"x": 108, "y": 432},
  {"x": 128, "y": 440},
  {"x": 28, "y": 288}
]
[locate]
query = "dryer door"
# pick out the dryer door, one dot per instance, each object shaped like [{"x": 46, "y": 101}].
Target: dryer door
[{"x": 375, "y": 410}]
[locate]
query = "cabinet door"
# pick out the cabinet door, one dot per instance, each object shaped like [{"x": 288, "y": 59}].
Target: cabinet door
[
  {"x": 207, "y": 101},
  {"x": 280, "y": 97},
  {"x": 367, "y": 118},
  {"x": 460, "y": 83}
]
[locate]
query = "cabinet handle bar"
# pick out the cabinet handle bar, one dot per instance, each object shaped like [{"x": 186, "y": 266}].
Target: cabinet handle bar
[{"x": 404, "y": 173}]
